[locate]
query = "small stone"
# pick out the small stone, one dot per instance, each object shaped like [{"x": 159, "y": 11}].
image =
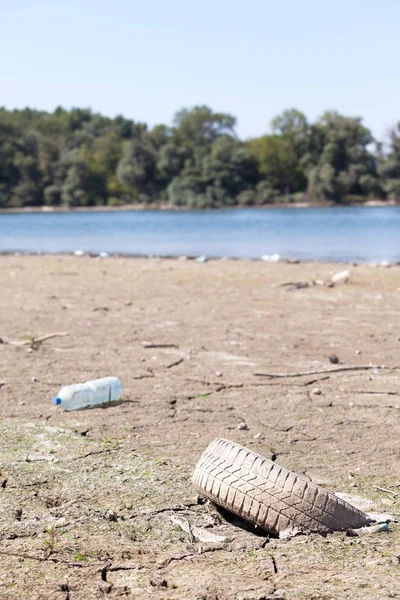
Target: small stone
[
  {"x": 358, "y": 352},
  {"x": 128, "y": 303},
  {"x": 341, "y": 277},
  {"x": 316, "y": 392},
  {"x": 242, "y": 427},
  {"x": 334, "y": 359},
  {"x": 111, "y": 516},
  {"x": 258, "y": 436},
  {"x": 33, "y": 379},
  {"x": 218, "y": 374}
]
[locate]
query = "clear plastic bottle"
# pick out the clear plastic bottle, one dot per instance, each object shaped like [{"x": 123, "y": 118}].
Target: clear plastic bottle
[{"x": 82, "y": 395}]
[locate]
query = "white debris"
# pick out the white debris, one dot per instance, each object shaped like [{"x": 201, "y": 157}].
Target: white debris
[
  {"x": 79, "y": 253},
  {"x": 202, "y": 258},
  {"x": 341, "y": 277},
  {"x": 367, "y": 530},
  {"x": 381, "y": 517},
  {"x": 272, "y": 258}
]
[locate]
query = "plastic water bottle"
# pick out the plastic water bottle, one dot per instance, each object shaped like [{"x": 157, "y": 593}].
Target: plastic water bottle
[{"x": 82, "y": 395}]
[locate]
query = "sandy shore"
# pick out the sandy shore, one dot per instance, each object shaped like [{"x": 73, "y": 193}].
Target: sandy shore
[
  {"x": 160, "y": 206},
  {"x": 108, "y": 480}
]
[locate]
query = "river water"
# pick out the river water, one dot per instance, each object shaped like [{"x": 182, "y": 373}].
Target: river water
[{"x": 340, "y": 234}]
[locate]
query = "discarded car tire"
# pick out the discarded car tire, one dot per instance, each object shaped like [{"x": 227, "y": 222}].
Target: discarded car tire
[{"x": 275, "y": 499}]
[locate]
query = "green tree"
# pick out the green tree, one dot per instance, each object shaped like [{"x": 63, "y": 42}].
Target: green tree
[
  {"x": 200, "y": 126},
  {"x": 136, "y": 169},
  {"x": 343, "y": 161},
  {"x": 389, "y": 168}
]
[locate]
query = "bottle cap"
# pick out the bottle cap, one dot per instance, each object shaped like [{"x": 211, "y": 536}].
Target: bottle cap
[{"x": 56, "y": 401}]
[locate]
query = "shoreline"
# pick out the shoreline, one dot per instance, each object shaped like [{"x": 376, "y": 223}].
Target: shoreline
[
  {"x": 164, "y": 206},
  {"x": 201, "y": 259}
]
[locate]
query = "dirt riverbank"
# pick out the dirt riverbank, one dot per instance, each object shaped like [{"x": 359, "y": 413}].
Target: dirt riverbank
[{"x": 86, "y": 497}]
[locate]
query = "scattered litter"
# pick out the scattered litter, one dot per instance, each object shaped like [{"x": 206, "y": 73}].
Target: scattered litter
[
  {"x": 382, "y": 518},
  {"x": 368, "y": 530},
  {"x": 90, "y": 393},
  {"x": 201, "y": 259},
  {"x": 271, "y": 258},
  {"x": 341, "y": 277},
  {"x": 236, "y": 493},
  {"x": 79, "y": 253},
  {"x": 243, "y": 427},
  {"x": 334, "y": 359},
  {"x": 203, "y": 535}
]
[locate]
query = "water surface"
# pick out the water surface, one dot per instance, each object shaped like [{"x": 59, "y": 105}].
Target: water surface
[{"x": 341, "y": 234}]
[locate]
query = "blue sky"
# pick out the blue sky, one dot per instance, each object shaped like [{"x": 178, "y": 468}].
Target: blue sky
[{"x": 252, "y": 58}]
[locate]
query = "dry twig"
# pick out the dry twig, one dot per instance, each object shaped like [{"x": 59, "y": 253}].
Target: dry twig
[
  {"x": 321, "y": 371},
  {"x": 149, "y": 345},
  {"x": 34, "y": 342},
  {"x": 175, "y": 364}
]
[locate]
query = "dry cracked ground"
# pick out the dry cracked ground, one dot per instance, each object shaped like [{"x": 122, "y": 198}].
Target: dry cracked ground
[{"x": 86, "y": 498}]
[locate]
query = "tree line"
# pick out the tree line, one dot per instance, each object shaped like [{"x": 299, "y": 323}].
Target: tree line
[{"x": 76, "y": 158}]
